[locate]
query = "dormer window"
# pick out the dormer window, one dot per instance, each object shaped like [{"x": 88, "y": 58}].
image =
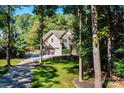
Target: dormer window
[{"x": 52, "y": 40}]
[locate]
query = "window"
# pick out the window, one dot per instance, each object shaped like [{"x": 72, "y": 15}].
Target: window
[
  {"x": 52, "y": 40},
  {"x": 65, "y": 40}
]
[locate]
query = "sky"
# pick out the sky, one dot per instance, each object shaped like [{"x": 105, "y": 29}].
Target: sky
[
  {"x": 24, "y": 10},
  {"x": 29, "y": 10}
]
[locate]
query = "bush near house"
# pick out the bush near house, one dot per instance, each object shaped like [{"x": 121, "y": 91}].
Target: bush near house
[{"x": 65, "y": 51}]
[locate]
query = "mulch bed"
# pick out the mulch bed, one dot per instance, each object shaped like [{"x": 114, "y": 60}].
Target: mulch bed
[
  {"x": 116, "y": 82},
  {"x": 84, "y": 84}
]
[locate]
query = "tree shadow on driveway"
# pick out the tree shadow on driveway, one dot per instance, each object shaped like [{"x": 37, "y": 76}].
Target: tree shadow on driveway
[{"x": 19, "y": 76}]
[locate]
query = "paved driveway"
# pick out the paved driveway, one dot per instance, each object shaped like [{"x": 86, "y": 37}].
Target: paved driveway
[{"x": 20, "y": 76}]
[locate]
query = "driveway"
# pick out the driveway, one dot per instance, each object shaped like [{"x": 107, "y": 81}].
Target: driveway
[{"x": 20, "y": 76}]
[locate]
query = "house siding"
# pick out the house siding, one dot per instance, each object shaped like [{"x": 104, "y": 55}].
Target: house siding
[
  {"x": 67, "y": 43},
  {"x": 55, "y": 43}
]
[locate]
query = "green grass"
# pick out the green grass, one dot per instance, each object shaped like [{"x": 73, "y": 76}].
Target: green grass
[
  {"x": 14, "y": 61},
  {"x": 3, "y": 70},
  {"x": 58, "y": 74}
]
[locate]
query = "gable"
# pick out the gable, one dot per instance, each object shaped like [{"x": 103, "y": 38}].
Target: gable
[
  {"x": 46, "y": 36},
  {"x": 53, "y": 41}
]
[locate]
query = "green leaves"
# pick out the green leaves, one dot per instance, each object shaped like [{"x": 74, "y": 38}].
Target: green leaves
[
  {"x": 20, "y": 45},
  {"x": 82, "y": 51},
  {"x": 118, "y": 68},
  {"x": 22, "y": 22},
  {"x": 119, "y": 50},
  {"x": 103, "y": 33}
]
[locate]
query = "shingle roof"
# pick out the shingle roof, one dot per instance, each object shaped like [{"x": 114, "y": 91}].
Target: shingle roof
[
  {"x": 57, "y": 33},
  {"x": 68, "y": 36}
]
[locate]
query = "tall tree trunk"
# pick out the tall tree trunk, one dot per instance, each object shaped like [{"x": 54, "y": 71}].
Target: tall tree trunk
[
  {"x": 41, "y": 49},
  {"x": 109, "y": 56},
  {"x": 41, "y": 33},
  {"x": 8, "y": 38},
  {"x": 109, "y": 46},
  {"x": 96, "y": 51},
  {"x": 80, "y": 42}
]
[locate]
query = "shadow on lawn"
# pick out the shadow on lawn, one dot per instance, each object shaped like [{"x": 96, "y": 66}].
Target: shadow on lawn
[
  {"x": 61, "y": 61},
  {"x": 72, "y": 69},
  {"x": 3, "y": 70},
  {"x": 44, "y": 77}
]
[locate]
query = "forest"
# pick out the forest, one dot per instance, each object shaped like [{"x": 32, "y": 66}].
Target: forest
[{"x": 98, "y": 37}]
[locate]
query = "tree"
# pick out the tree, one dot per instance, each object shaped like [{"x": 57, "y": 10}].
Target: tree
[
  {"x": 42, "y": 11},
  {"x": 96, "y": 51},
  {"x": 81, "y": 29},
  {"x": 109, "y": 45},
  {"x": 117, "y": 40},
  {"x": 32, "y": 36},
  {"x": 22, "y": 22},
  {"x": 7, "y": 15},
  {"x": 79, "y": 12},
  {"x": 7, "y": 12}
]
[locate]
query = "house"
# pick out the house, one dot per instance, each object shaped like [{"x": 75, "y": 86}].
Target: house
[{"x": 56, "y": 40}]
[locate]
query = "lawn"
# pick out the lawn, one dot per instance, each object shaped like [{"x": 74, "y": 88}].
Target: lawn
[
  {"x": 57, "y": 74},
  {"x": 3, "y": 70},
  {"x": 14, "y": 61}
]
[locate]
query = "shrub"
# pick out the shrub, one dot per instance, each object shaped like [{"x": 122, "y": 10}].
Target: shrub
[
  {"x": 86, "y": 75},
  {"x": 119, "y": 53},
  {"x": 65, "y": 51},
  {"x": 118, "y": 68}
]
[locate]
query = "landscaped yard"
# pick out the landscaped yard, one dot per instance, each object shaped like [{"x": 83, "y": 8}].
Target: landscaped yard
[{"x": 57, "y": 74}]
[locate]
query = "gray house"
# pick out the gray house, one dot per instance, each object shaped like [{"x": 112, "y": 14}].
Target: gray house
[{"x": 56, "y": 40}]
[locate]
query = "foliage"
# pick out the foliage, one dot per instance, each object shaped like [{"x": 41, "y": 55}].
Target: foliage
[
  {"x": 120, "y": 50},
  {"x": 118, "y": 68},
  {"x": 65, "y": 51},
  {"x": 32, "y": 35},
  {"x": 119, "y": 54},
  {"x": 83, "y": 51},
  {"x": 22, "y": 22},
  {"x": 86, "y": 75},
  {"x": 20, "y": 45},
  {"x": 2, "y": 47},
  {"x": 103, "y": 33}
]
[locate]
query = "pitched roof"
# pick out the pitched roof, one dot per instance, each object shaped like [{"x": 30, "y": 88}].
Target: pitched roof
[
  {"x": 70, "y": 36},
  {"x": 57, "y": 33}
]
